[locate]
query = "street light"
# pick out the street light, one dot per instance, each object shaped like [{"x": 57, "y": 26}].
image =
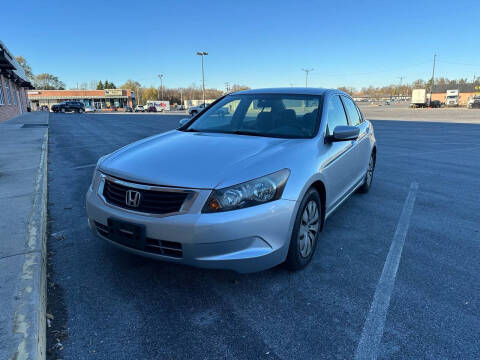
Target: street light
[
  {"x": 160, "y": 76},
  {"x": 202, "y": 54},
  {"x": 306, "y": 75}
]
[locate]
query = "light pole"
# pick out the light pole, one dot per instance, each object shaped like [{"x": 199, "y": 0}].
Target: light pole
[
  {"x": 306, "y": 75},
  {"x": 202, "y": 54},
  {"x": 160, "y": 76},
  {"x": 433, "y": 77}
]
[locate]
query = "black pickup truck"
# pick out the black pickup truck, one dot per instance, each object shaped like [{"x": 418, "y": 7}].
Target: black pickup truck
[{"x": 75, "y": 106}]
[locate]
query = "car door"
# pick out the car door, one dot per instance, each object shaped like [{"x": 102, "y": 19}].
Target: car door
[
  {"x": 338, "y": 168},
  {"x": 361, "y": 146}
]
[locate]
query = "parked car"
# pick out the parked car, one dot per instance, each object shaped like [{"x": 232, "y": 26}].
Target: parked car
[
  {"x": 194, "y": 110},
  {"x": 139, "y": 108},
  {"x": 67, "y": 106},
  {"x": 243, "y": 195},
  {"x": 151, "y": 109},
  {"x": 435, "y": 104},
  {"x": 90, "y": 109},
  {"x": 472, "y": 101},
  {"x": 475, "y": 104},
  {"x": 128, "y": 109}
]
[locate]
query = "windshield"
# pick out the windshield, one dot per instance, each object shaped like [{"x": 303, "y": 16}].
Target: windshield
[{"x": 272, "y": 115}]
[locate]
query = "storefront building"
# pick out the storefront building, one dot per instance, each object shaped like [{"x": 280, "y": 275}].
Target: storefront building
[
  {"x": 13, "y": 86},
  {"x": 465, "y": 92},
  {"x": 109, "y": 99}
]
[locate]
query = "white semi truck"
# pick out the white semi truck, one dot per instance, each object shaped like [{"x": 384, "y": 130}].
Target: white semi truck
[{"x": 452, "y": 97}]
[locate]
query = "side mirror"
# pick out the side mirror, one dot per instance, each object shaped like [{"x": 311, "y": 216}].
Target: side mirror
[
  {"x": 343, "y": 133},
  {"x": 184, "y": 121}
]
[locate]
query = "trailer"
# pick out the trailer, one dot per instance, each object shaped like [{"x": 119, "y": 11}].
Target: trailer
[
  {"x": 419, "y": 98},
  {"x": 159, "y": 105}
]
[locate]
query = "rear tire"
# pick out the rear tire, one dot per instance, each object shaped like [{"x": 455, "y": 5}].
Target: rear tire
[
  {"x": 80, "y": 111},
  {"x": 63, "y": 110},
  {"x": 305, "y": 232},
  {"x": 367, "y": 181}
]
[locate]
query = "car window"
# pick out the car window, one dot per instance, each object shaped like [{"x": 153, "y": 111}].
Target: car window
[
  {"x": 335, "y": 114},
  {"x": 362, "y": 118},
  {"x": 272, "y": 115},
  {"x": 222, "y": 116},
  {"x": 353, "y": 116}
]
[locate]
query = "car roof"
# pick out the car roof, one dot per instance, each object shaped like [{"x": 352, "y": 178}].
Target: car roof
[{"x": 287, "y": 90}]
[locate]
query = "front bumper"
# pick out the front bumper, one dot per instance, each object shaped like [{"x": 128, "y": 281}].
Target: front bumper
[{"x": 244, "y": 240}]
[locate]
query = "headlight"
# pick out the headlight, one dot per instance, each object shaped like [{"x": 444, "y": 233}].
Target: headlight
[
  {"x": 95, "y": 179},
  {"x": 250, "y": 193},
  {"x": 96, "y": 175}
]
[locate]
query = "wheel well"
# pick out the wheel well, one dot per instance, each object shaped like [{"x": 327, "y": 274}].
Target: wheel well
[{"x": 318, "y": 185}]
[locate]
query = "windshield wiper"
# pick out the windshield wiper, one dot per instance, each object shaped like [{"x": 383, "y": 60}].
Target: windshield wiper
[
  {"x": 192, "y": 130},
  {"x": 249, "y": 133}
]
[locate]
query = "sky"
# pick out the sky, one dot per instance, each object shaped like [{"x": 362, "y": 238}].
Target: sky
[{"x": 259, "y": 43}]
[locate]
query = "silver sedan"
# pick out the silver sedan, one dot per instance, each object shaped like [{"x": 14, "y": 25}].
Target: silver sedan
[{"x": 244, "y": 185}]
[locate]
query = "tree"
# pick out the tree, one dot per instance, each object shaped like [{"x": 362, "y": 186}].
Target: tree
[
  {"x": 28, "y": 70},
  {"x": 236, "y": 87},
  {"x": 47, "y": 81},
  {"x": 131, "y": 85},
  {"x": 149, "y": 94},
  {"x": 109, "y": 85},
  {"x": 100, "y": 85}
]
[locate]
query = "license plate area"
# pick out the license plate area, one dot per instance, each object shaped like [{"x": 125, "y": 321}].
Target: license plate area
[{"x": 128, "y": 234}]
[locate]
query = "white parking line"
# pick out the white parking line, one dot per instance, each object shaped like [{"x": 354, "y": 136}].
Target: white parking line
[{"x": 372, "y": 332}]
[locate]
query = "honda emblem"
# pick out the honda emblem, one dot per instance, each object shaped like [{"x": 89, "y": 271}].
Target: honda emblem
[{"x": 132, "y": 198}]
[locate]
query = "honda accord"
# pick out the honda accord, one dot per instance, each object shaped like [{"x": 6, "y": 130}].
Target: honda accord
[{"x": 244, "y": 185}]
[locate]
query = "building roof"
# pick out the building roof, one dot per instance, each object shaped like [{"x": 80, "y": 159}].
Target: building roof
[
  {"x": 463, "y": 88},
  {"x": 11, "y": 68},
  {"x": 79, "y": 94}
]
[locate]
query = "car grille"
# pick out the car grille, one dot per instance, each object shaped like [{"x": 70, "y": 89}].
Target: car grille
[
  {"x": 151, "y": 201},
  {"x": 159, "y": 247}
]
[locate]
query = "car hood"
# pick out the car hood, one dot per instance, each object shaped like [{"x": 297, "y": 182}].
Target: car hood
[{"x": 196, "y": 160}]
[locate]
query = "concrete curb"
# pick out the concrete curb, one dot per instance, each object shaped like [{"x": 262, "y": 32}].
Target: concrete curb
[{"x": 30, "y": 314}]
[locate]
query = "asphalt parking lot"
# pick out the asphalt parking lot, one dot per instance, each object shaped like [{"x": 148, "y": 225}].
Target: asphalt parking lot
[{"x": 108, "y": 304}]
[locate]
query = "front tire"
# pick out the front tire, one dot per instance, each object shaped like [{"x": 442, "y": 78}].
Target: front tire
[
  {"x": 305, "y": 231},
  {"x": 80, "y": 111},
  {"x": 63, "y": 110},
  {"x": 367, "y": 181}
]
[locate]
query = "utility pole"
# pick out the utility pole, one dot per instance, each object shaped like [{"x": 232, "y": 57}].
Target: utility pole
[
  {"x": 203, "y": 54},
  {"x": 400, "y": 86},
  {"x": 227, "y": 87},
  {"x": 306, "y": 75},
  {"x": 181, "y": 96},
  {"x": 160, "y": 76},
  {"x": 433, "y": 77}
]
